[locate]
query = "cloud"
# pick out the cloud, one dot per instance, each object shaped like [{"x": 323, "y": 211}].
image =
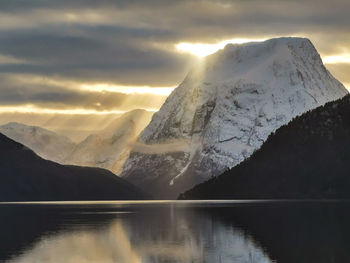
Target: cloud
[
  {"x": 133, "y": 43},
  {"x": 56, "y": 94},
  {"x": 105, "y": 53},
  {"x": 341, "y": 72},
  {"x": 165, "y": 147}
]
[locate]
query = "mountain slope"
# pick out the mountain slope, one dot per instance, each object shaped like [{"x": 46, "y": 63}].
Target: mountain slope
[
  {"x": 308, "y": 158},
  {"x": 110, "y": 147},
  {"x": 45, "y": 143},
  {"x": 225, "y": 109},
  {"x": 24, "y": 176},
  {"x": 107, "y": 148}
]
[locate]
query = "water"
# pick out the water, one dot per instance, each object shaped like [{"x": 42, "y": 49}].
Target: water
[{"x": 159, "y": 232}]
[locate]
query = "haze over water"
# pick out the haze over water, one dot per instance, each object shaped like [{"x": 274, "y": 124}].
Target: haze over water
[{"x": 155, "y": 232}]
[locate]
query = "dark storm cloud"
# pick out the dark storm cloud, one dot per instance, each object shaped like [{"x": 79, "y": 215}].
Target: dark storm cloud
[{"x": 132, "y": 42}]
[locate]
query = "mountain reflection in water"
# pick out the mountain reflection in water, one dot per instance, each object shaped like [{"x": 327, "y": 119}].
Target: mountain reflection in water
[{"x": 175, "y": 232}]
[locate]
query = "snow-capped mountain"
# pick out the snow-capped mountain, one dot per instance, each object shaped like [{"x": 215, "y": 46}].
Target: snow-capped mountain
[
  {"x": 225, "y": 109},
  {"x": 110, "y": 147},
  {"x": 47, "y": 144}
]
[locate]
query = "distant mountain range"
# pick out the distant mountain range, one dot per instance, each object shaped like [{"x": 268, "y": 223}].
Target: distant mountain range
[
  {"x": 225, "y": 109},
  {"x": 308, "y": 158},
  {"x": 47, "y": 144},
  {"x": 24, "y": 176},
  {"x": 108, "y": 148}
]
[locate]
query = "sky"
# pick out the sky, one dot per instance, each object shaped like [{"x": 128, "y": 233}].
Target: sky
[{"x": 63, "y": 57}]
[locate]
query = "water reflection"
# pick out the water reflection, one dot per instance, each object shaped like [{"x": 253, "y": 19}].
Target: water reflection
[
  {"x": 113, "y": 245},
  {"x": 176, "y": 232},
  {"x": 107, "y": 245},
  {"x": 147, "y": 235},
  {"x": 184, "y": 235}
]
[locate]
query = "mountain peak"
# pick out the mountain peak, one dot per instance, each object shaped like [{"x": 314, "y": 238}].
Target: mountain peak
[
  {"x": 256, "y": 58},
  {"x": 226, "y": 108},
  {"x": 270, "y": 43}
]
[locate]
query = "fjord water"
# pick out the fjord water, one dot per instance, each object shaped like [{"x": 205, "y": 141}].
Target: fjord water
[{"x": 157, "y": 232}]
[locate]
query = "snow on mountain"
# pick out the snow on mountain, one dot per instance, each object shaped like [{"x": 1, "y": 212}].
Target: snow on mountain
[
  {"x": 308, "y": 158},
  {"x": 110, "y": 147},
  {"x": 45, "y": 143},
  {"x": 225, "y": 109}
]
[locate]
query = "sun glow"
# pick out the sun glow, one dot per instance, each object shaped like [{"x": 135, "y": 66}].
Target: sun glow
[
  {"x": 105, "y": 87},
  {"x": 93, "y": 87},
  {"x": 204, "y": 49},
  {"x": 30, "y": 108},
  {"x": 347, "y": 85},
  {"x": 344, "y": 58}
]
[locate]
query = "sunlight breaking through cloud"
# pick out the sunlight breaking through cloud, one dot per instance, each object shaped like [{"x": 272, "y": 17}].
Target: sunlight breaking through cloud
[
  {"x": 336, "y": 59},
  {"x": 347, "y": 85},
  {"x": 205, "y": 49},
  {"x": 102, "y": 87},
  {"x": 29, "y": 108}
]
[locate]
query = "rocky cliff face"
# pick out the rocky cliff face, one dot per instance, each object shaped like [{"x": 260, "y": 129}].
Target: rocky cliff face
[
  {"x": 225, "y": 109},
  {"x": 306, "y": 159}
]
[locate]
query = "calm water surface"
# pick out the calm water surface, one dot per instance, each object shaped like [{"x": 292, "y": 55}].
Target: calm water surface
[{"x": 157, "y": 232}]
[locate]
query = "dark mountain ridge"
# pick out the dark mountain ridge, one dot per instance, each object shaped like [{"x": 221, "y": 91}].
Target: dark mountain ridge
[
  {"x": 307, "y": 158},
  {"x": 24, "y": 176}
]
